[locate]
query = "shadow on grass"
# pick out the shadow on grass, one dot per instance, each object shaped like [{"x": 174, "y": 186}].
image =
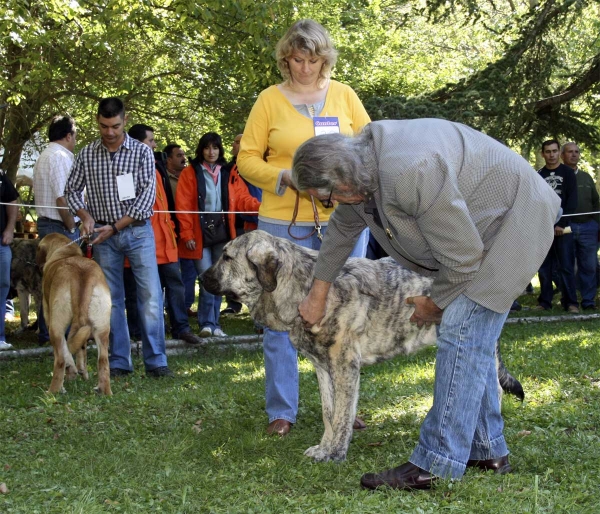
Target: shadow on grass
[{"x": 196, "y": 443}]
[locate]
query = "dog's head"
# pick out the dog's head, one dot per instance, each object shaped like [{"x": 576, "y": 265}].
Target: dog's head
[
  {"x": 55, "y": 246},
  {"x": 248, "y": 266}
]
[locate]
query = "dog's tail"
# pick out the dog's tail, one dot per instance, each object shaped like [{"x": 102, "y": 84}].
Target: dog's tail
[
  {"x": 508, "y": 383},
  {"x": 78, "y": 337},
  {"x": 81, "y": 330}
]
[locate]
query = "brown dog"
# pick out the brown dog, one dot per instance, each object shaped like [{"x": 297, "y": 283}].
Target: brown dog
[
  {"x": 25, "y": 277},
  {"x": 75, "y": 293}
]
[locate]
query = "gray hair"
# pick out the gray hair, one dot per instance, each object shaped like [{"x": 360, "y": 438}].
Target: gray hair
[
  {"x": 332, "y": 160},
  {"x": 564, "y": 147}
]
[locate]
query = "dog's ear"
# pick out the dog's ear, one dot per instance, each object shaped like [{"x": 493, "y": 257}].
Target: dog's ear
[
  {"x": 40, "y": 255},
  {"x": 266, "y": 264}
]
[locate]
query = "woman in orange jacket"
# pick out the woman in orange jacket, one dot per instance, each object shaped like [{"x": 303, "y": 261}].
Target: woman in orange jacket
[{"x": 205, "y": 186}]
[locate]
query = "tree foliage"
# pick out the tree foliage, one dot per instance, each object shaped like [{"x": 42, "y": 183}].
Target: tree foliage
[
  {"x": 545, "y": 83},
  {"x": 184, "y": 66},
  {"x": 521, "y": 70}
]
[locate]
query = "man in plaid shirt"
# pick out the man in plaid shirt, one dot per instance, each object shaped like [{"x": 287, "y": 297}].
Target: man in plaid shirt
[{"x": 118, "y": 175}]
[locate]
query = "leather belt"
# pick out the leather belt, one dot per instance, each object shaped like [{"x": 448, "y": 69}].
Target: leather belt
[
  {"x": 50, "y": 220},
  {"x": 136, "y": 223}
]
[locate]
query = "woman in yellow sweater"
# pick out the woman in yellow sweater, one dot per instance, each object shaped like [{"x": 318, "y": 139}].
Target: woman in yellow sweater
[{"x": 305, "y": 104}]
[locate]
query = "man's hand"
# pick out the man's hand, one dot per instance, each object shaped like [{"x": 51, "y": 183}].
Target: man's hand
[
  {"x": 87, "y": 222},
  {"x": 103, "y": 233},
  {"x": 558, "y": 231},
  {"x": 312, "y": 309},
  {"x": 8, "y": 236},
  {"x": 191, "y": 244},
  {"x": 426, "y": 311}
]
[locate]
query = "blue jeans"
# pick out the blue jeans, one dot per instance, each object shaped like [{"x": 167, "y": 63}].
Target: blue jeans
[
  {"x": 136, "y": 243},
  {"x": 465, "y": 421},
  {"x": 281, "y": 358},
  {"x": 561, "y": 251},
  {"x": 5, "y": 258},
  {"x": 585, "y": 239},
  {"x": 188, "y": 275},
  {"x": 170, "y": 279},
  {"x": 46, "y": 227},
  {"x": 131, "y": 308},
  {"x": 209, "y": 305}
]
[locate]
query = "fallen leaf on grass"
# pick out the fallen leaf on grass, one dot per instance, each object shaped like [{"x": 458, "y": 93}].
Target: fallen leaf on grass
[
  {"x": 56, "y": 436},
  {"x": 524, "y": 433},
  {"x": 6, "y": 467},
  {"x": 111, "y": 502},
  {"x": 378, "y": 443},
  {"x": 197, "y": 427},
  {"x": 3, "y": 488}
]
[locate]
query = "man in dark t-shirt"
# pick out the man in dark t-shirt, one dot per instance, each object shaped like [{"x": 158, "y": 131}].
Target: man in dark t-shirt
[{"x": 562, "y": 179}]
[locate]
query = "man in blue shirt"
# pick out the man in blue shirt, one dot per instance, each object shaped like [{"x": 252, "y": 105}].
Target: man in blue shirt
[{"x": 118, "y": 175}]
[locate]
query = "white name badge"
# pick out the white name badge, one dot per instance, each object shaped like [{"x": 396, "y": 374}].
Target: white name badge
[
  {"x": 125, "y": 187},
  {"x": 326, "y": 125}
]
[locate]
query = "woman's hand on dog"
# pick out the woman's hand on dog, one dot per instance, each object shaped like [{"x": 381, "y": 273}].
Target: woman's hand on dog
[{"x": 426, "y": 311}]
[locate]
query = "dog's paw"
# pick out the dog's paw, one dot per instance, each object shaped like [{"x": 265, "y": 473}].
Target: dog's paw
[
  {"x": 318, "y": 453},
  {"x": 106, "y": 391},
  {"x": 71, "y": 373}
]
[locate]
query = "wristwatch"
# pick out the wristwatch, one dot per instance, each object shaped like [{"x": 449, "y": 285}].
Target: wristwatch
[{"x": 72, "y": 230}]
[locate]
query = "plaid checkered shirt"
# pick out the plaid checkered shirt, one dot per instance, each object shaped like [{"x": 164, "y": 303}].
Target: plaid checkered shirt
[{"x": 94, "y": 171}]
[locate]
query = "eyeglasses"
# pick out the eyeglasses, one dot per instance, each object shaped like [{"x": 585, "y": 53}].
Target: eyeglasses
[{"x": 328, "y": 204}]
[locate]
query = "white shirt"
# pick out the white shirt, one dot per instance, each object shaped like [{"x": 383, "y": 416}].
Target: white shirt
[{"x": 49, "y": 178}]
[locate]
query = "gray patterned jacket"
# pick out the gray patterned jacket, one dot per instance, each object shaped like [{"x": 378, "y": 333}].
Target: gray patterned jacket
[{"x": 454, "y": 204}]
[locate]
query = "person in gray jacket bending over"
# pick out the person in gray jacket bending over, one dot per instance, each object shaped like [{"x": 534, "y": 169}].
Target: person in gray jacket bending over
[{"x": 446, "y": 201}]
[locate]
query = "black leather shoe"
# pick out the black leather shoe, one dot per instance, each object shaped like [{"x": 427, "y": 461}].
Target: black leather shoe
[
  {"x": 191, "y": 338},
  {"x": 229, "y": 310},
  {"x": 119, "y": 372},
  {"x": 408, "y": 476},
  {"x": 501, "y": 466},
  {"x": 159, "y": 372}
]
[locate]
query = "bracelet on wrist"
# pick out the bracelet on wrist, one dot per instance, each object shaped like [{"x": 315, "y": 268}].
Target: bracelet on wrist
[{"x": 114, "y": 228}]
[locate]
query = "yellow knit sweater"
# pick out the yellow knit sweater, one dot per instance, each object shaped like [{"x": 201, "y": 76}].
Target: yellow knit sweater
[{"x": 277, "y": 129}]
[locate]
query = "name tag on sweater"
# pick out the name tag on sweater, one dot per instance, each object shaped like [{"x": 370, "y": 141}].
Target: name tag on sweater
[
  {"x": 326, "y": 125},
  {"x": 125, "y": 187}
]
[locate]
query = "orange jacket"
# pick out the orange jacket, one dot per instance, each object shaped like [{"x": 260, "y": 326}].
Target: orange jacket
[
  {"x": 240, "y": 199},
  {"x": 163, "y": 226},
  {"x": 186, "y": 199}
]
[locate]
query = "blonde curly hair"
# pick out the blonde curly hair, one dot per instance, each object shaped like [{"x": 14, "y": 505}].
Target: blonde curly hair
[{"x": 311, "y": 37}]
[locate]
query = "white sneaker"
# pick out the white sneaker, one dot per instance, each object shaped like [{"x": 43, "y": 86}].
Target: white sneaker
[
  {"x": 5, "y": 346},
  {"x": 206, "y": 332},
  {"x": 219, "y": 333}
]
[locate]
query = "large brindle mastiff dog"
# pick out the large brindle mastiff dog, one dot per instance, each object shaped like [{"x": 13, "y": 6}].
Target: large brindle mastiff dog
[
  {"x": 75, "y": 294},
  {"x": 367, "y": 319}
]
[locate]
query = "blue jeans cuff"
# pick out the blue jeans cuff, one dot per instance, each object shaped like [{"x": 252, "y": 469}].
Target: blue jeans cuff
[
  {"x": 292, "y": 421},
  {"x": 436, "y": 464},
  {"x": 485, "y": 450}
]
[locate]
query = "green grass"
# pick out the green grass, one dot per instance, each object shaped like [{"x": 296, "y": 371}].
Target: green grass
[{"x": 197, "y": 443}]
